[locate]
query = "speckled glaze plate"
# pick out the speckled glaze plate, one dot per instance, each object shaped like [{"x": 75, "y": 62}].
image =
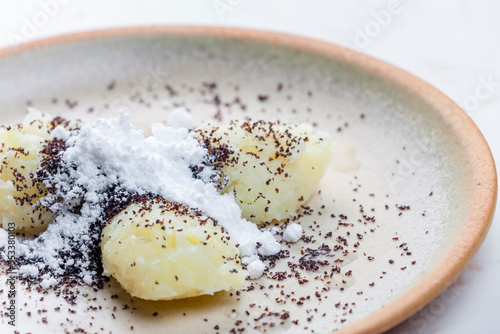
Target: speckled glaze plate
[{"x": 405, "y": 204}]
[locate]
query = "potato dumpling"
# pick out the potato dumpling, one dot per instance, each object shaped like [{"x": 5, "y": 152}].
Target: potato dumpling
[
  {"x": 21, "y": 156},
  {"x": 272, "y": 169},
  {"x": 160, "y": 250}
]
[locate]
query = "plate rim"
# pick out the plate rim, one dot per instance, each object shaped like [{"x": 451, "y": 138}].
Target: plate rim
[{"x": 484, "y": 190}]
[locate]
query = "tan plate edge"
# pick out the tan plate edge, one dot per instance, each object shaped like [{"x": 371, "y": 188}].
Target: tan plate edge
[{"x": 481, "y": 160}]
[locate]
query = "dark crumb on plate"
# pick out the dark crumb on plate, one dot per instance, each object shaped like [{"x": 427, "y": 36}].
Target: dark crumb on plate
[{"x": 262, "y": 98}]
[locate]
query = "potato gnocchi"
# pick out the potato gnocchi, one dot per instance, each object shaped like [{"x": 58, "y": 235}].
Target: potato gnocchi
[
  {"x": 161, "y": 250},
  {"x": 271, "y": 169},
  {"x": 21, "y": 156}
]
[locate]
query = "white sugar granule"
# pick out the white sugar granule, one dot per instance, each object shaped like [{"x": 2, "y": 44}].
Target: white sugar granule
[
  {"x": 60, "y": 133},
  {"x": 293, "y": 233},
  {"x": 255, "y": 269},
  {"x": 48, "y": 281},
  {"x": 87, "y": 279},
  {"x": 29, "y": 270},
  {"x": 109, "y": 159}
]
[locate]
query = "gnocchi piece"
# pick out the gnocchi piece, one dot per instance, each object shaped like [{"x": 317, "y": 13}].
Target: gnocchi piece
[
  {"x": 271, "y": 169},
  {"x": 159, "y": 250},
  {"x": 21, "y": 156}
]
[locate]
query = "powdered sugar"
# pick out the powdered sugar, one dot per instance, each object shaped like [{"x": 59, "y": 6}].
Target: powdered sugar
[
  {"x": 48, "y": 281},
  {"x": 61, "y": 133},
  {"x": 256, "y": 269},
  {"x": 29, "y": 270},
  {"x": 293, "y": 233}
]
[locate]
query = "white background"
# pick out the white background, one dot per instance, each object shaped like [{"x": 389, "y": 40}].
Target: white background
[{"x": 454, "y": 45}]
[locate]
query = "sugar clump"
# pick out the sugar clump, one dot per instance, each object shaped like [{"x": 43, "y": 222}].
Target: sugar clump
[
  {"x": 293, "y": 233},
  {"x": 256, "y": 269}
]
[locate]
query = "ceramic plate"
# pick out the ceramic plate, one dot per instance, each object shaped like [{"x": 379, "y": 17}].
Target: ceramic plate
[{"x": 404, "y": 205}]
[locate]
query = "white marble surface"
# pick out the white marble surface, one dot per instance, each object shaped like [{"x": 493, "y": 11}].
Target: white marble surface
[{"x": 454, "y": 45}]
